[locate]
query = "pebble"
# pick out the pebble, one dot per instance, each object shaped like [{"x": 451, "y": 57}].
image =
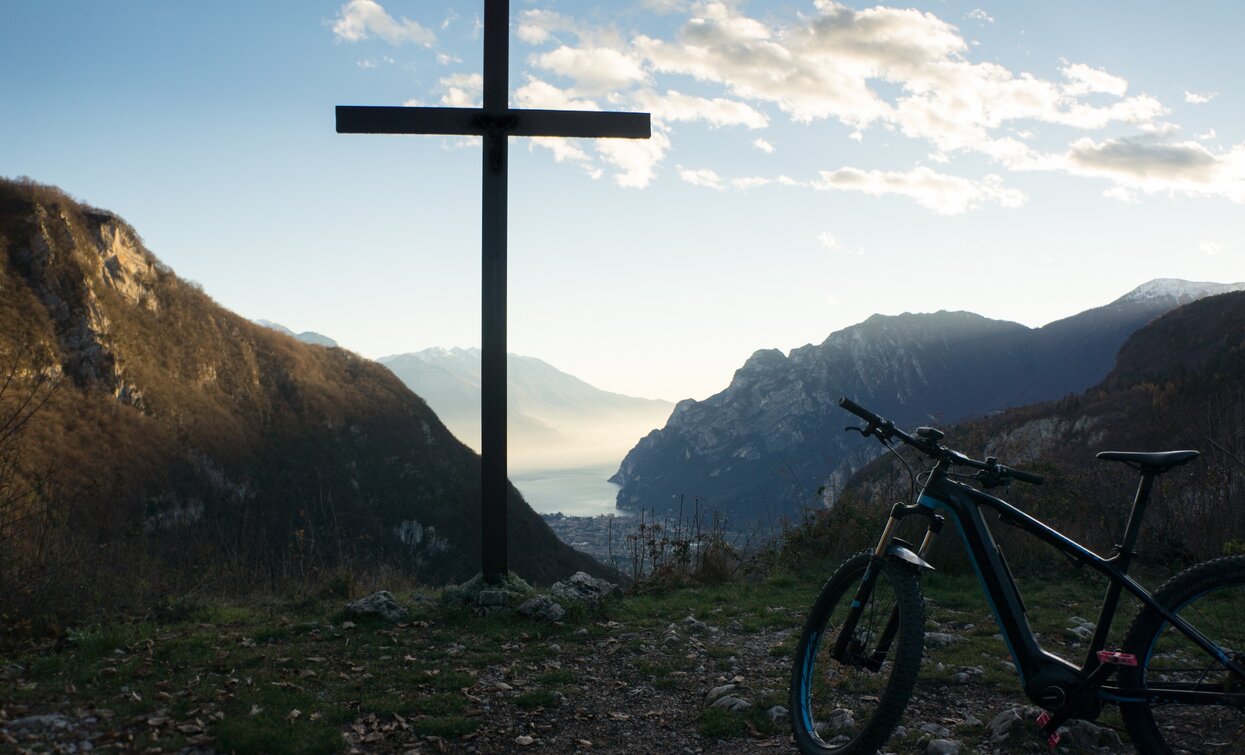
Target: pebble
[
  {"x": 732, "y": 703},
  {"x": 695, "y": 625},
  {"x": 942, "y": 747},
  {"x": 777, "y": 713},
  {"x": 840, "y": 718},
  {"x": 726, "y": 689}
]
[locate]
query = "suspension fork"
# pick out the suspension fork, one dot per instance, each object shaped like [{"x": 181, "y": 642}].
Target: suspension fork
[{"x": 842, "y": 651}]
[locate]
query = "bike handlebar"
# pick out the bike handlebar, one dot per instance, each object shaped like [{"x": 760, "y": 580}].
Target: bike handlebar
[
  {"x": 861, "y": 412},
  {"x": 884, "y": 430}
]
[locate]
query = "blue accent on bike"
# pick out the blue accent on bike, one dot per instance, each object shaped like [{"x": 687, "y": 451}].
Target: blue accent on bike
[
  {"x": 855, "y": 604},
  {"x": 805, "y": 692},
  {"x": 928, "y": 502},
  {"x": 994, "y": 609},
  {"x": 1223, "y": 657}
]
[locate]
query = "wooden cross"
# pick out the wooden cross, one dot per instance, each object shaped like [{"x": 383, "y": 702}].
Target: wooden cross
[{"x": 495, "y": 122}]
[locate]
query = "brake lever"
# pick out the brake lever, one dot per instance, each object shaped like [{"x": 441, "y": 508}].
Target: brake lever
[
  {"x": 865, "y": 431},
  {"x": 990, "y": 479}
]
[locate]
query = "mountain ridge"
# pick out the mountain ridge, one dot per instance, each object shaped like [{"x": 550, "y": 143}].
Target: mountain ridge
[
  {"x": 188, "y": 437},
  {"x": 771, "y": 444},
  {"x": 1175, "y": 385}
]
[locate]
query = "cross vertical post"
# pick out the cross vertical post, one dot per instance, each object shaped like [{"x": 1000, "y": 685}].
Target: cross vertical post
[
  {"x": 495, "y": 122},
  {"x": 494, "y": 554}
]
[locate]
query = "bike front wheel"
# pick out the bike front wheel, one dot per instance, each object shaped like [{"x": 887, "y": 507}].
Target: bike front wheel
[
  {"x": 1173, "y": 671},
  {"x": 853, "y": 705}
]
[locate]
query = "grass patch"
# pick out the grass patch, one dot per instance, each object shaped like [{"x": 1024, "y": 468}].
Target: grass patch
[
  {"x": 719, "y": 723},
  {"x": 276, "y": 736},
  {"x": 537, "y": 698}
]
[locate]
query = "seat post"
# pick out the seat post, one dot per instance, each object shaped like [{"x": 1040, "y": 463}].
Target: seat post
[{"x": 1127, "y": 546}]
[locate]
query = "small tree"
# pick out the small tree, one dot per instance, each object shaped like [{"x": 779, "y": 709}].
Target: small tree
[{"x": 26, "y": 386}]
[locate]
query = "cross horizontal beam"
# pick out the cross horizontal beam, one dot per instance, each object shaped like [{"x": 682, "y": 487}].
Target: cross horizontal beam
[{"x": 365, "y": 119}]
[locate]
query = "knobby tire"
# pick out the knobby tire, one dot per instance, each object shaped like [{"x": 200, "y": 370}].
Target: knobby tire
[
  {"x": 844, "y": 708},
  {"x": 1211, "y": 597}
]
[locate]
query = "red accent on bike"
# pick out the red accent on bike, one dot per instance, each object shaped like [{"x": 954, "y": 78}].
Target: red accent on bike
[
  {"x": 1117, "y": 658},
  {"x": 1053, "y": 739}
]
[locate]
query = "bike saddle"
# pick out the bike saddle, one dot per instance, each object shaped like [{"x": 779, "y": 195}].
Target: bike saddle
[{"x": 1151, "y": 461}]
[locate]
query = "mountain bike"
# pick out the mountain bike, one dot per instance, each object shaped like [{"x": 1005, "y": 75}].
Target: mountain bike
[{"x": 1178, "y": 677}]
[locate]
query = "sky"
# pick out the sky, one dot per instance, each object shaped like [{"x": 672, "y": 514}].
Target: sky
[{"x": 812, "y": 163}]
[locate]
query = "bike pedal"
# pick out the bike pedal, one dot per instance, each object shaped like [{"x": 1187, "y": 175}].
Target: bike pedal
[
  {"x": 1052, "y": 740},
  {"x": 1117, "y": 658}
]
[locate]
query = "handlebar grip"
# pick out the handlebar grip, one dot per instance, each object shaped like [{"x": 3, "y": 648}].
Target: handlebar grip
[
  {"x": 1023, "y": 476},
  {"x": 860, "y": 411}
]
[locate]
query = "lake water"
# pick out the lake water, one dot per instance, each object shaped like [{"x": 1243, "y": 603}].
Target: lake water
[{"x": 574, "y": 492}]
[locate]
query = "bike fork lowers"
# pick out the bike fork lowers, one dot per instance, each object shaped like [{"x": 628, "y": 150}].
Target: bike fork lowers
[{"x": 843, "y": 650}]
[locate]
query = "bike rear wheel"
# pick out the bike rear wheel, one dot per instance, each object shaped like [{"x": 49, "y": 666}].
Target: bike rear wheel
[
  {"x": 854, "y": 706},
  {"x": 1211, "y": 597}
]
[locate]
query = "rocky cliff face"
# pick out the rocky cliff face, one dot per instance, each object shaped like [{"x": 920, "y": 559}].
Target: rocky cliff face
[
  {"x": 767, "y": 445},
  {"x": 177, "y": 421},
  {"x": 1176, "y": 384}
]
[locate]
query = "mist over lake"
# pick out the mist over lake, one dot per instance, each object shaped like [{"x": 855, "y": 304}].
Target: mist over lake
[{"x": 582, "y": 491}]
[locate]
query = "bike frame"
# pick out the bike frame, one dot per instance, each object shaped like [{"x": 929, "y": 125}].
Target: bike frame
[{"x": 965, "y": 504}]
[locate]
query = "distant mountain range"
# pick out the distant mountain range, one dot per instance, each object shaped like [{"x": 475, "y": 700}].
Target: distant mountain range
[
  {"x": 767, "y": 445},
  {"x": 1177, "y": 383},
  {"x": 556, "y": 420},
  {"x": 187, "y": 435},
  {"x": 307, "y": 336}
]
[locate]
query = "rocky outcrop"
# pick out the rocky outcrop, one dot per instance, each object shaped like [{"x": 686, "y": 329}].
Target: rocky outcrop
[{"x": 182, "y": 419}]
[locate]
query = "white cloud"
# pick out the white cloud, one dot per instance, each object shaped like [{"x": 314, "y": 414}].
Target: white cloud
[
  {"x": 702, "y": 177},
  {"x": 1085, "y": 80},
  {"x": 635, "y": 160},
  {"x": 665, "y": 6},
  {"x": 537, "y": 94},
  {"x": 1121, "y": 194},
  {"x": 539, "y": 26},
  {"x": 596, "y": 71},
  {"x": 358, "y": 20},
  {"x": 942, "y": 193},
  {"x": 462, "y": 90},
  {"x": 1210, "y": 247},
  {"x": 900, "y": 70},
  {"x": 828, "y": 240},
  {"x": 1150, "y": 167},
  {"x": 446, "y": 59},
  {"x": 837, "y": 64},
  {"x": 675, "y": 106},
  {"x": 750, "y": 182},
  {"x": 710, "y": 179},
  {"x": 1199, "y": 99}
]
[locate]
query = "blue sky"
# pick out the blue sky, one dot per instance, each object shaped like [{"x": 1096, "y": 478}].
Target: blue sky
[{"x": 812, "y": 163}]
